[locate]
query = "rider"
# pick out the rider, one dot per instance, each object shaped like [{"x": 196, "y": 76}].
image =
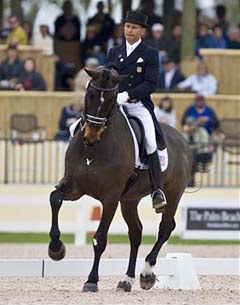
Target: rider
[{"x": 140, "y": 62}]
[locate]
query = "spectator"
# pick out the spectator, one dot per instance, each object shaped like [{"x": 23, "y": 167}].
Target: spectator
[
  {"x": 198, "y": 139},
  {"x": 221, "y": 12},
  {"x": 203, "y": 38},
  {"x": 27, "y": 26},
  {"x": 82, "y": 78},
  {"x": 202, "y": 83},
  {"x": 158, "y": 40},
  {"x": 203, "y": 114},
  {"x": 147, "y": 8},
  {"x": 233, "y": 38},
  {"x": 67, "y": 26},
  {"x": 104, "y": 25},
  {"x": 30, "y": 79},
  {"x": 43, "y": 40},
  {"x": 165, "y": 113},
  {"x": 170, "y": 77},
  {"x": 117, "y": 39},
  {"x": 17, "y": 34},
  {"x": 217, "y": 40},
  {"x": 91, "y": 47},
  {"x": 175, "y": 43},
  {"x": 69, "y": 115},
  {"x": 10, "y": 69}
]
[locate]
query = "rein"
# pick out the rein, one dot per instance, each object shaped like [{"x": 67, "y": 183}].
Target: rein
[{"x": 96, "y": 119}]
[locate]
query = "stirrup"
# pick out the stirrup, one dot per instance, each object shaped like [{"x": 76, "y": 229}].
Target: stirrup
[{"x": 160, "y": 200}]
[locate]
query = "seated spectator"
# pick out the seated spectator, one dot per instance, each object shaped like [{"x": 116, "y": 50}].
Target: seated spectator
[
  {"x": 10, "y": 69},
  {"x": 203, "y": 114},
  {"x": 202, "y": 83},
  {"x": 198, "y": 139},
  {"x": 69, "y": 115},
  {"x": 217, "y": 40},
  {"x": 17, "y": 34},
  {"x": 221, "y": 13},
  {"x": 30, "y": 79},
  {"x": 117, "y": 38},
  {"x": 104, "y": 25},
  {"x": 91, "y": 46},
  {"x": 175, "y": 43},
  {"x": 233, "y": 38},
  {"x": 202, "y": 39},
  {"x": 43, "y": 40},
  {"x": 158, "y": 40},
  {"x": 27, "y": 26},
  {"x": 82, "y": 78},
  {"x": 165, "y": 113},
  {"x": 67, "y": 26},
  {"x": 170, "y": 76}
]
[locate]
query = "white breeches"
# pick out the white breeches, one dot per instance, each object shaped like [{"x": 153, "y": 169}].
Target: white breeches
[{"x": 138, "y": 110}]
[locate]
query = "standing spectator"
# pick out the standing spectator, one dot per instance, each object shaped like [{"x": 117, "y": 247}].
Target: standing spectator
[
  {"x": 104, "y": 25},
  {"x": 233, "y": 38},
  {"x": 221, "y": 12},
  {"x": 170, "y": 76},
  {"x": 217, "y": 40},
  {"x": 147, "y": 8},
  {"x": 27, "y": 26},
  {"x": 203, "y": 38},
  {"x": 43, "y": 40},
  {"x": 158, "y": 40},
  {"x": 175, "y": 43},
  {"x": 11, "y": 68},
  {"x": 202, "y": 83},
  {"x": 165, "y": 113},
  {"x": 30, "y": 79},
  {"x": 17, "y": 34},
  {"x": 67, "y": 26},
  {"x": 69, "y": 115},
  {"x": 82, "y": 78},
  {"x": 198, "y": 139},
  {"x": 203, "y": 114}
]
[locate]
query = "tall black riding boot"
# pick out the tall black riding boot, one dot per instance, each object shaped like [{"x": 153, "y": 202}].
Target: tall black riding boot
[{"x": 158, "y": 196}]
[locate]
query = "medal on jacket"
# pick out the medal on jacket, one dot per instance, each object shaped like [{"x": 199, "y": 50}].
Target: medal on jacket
[{"x": 139, "y": 69}]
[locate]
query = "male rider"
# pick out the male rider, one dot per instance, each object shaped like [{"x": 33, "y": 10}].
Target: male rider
[{"x": 140, "y": 62}]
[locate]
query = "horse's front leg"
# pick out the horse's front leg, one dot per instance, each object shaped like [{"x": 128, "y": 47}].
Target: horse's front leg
[
  {"x": 130, "y": 215},
  {"x": 99, "y": 244},
  {"x": 56, "y": 249}
]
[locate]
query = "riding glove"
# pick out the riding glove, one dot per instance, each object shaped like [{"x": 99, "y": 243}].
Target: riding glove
[{"x": 122, "y": 97}]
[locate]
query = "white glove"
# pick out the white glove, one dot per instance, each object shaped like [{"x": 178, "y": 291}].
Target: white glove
[{"x": 122, "y": 97}]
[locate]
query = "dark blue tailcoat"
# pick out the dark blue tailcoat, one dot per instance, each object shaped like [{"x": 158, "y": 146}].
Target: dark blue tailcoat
[{"x": 142, "y": 68}]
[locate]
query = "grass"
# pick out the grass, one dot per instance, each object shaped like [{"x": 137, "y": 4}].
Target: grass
[{"x": 112, "y": 239}]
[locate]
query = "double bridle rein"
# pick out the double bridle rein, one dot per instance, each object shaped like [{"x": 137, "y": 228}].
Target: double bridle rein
[{"x": 96, "y": 119}]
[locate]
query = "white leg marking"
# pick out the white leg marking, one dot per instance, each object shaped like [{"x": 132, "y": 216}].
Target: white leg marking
[
  {"x": 147, "y": 269},
  {"x": 130, "y": 280}
]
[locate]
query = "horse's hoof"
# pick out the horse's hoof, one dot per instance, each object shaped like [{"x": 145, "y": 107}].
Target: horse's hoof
[
  {"x": 124, "y": 286},
  {"x": 90, "y": 287},
  {"x": 147, "y": 281},
  {"x": 57, "y": 252}
]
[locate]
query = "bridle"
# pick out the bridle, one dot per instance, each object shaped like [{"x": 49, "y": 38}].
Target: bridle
[{"x": 96, "y": 119}]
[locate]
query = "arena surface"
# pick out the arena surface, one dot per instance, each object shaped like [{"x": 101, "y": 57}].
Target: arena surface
[{"x": 67, "y": 290}]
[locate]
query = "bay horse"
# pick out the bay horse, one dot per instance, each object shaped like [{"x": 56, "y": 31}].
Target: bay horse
[{"x": 99, "y": 162}]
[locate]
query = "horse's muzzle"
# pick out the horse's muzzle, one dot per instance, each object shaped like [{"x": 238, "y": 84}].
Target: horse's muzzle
[{"x": 92, "y": 134}]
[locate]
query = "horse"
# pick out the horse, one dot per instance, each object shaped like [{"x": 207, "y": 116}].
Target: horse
[{"x": 99, "y": 162}]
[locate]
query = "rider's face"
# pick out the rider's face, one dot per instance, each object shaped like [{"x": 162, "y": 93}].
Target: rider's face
[{"x": 133, "y": 32}]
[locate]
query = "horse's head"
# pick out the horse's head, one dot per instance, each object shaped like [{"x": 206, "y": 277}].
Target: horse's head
[{"x": 100, "y": 100}]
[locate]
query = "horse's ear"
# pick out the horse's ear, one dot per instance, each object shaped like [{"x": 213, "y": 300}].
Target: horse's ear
[{"x": 92, "y": 73}]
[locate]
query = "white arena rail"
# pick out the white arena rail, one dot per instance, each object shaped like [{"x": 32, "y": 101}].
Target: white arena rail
[{"x": 176, "y": 271}]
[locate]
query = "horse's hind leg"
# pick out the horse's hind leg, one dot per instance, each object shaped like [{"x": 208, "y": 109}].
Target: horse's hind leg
[
  {"x": 99, "y": 245},
  {"x": 130, "y": 215},
  {"x": 167, "y": 225},
  {"x": 56, "y": 249}
]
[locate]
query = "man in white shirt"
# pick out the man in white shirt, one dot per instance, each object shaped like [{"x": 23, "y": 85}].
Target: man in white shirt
[
  {"x": 43, "y": 40},
  {"x": 202, "y": 83}
]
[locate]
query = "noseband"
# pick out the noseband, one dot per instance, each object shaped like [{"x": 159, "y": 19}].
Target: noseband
[{"x": 96, "y": 119}]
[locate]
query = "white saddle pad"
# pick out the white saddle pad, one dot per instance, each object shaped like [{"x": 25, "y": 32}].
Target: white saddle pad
[{"x": 163, "y": 154}]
